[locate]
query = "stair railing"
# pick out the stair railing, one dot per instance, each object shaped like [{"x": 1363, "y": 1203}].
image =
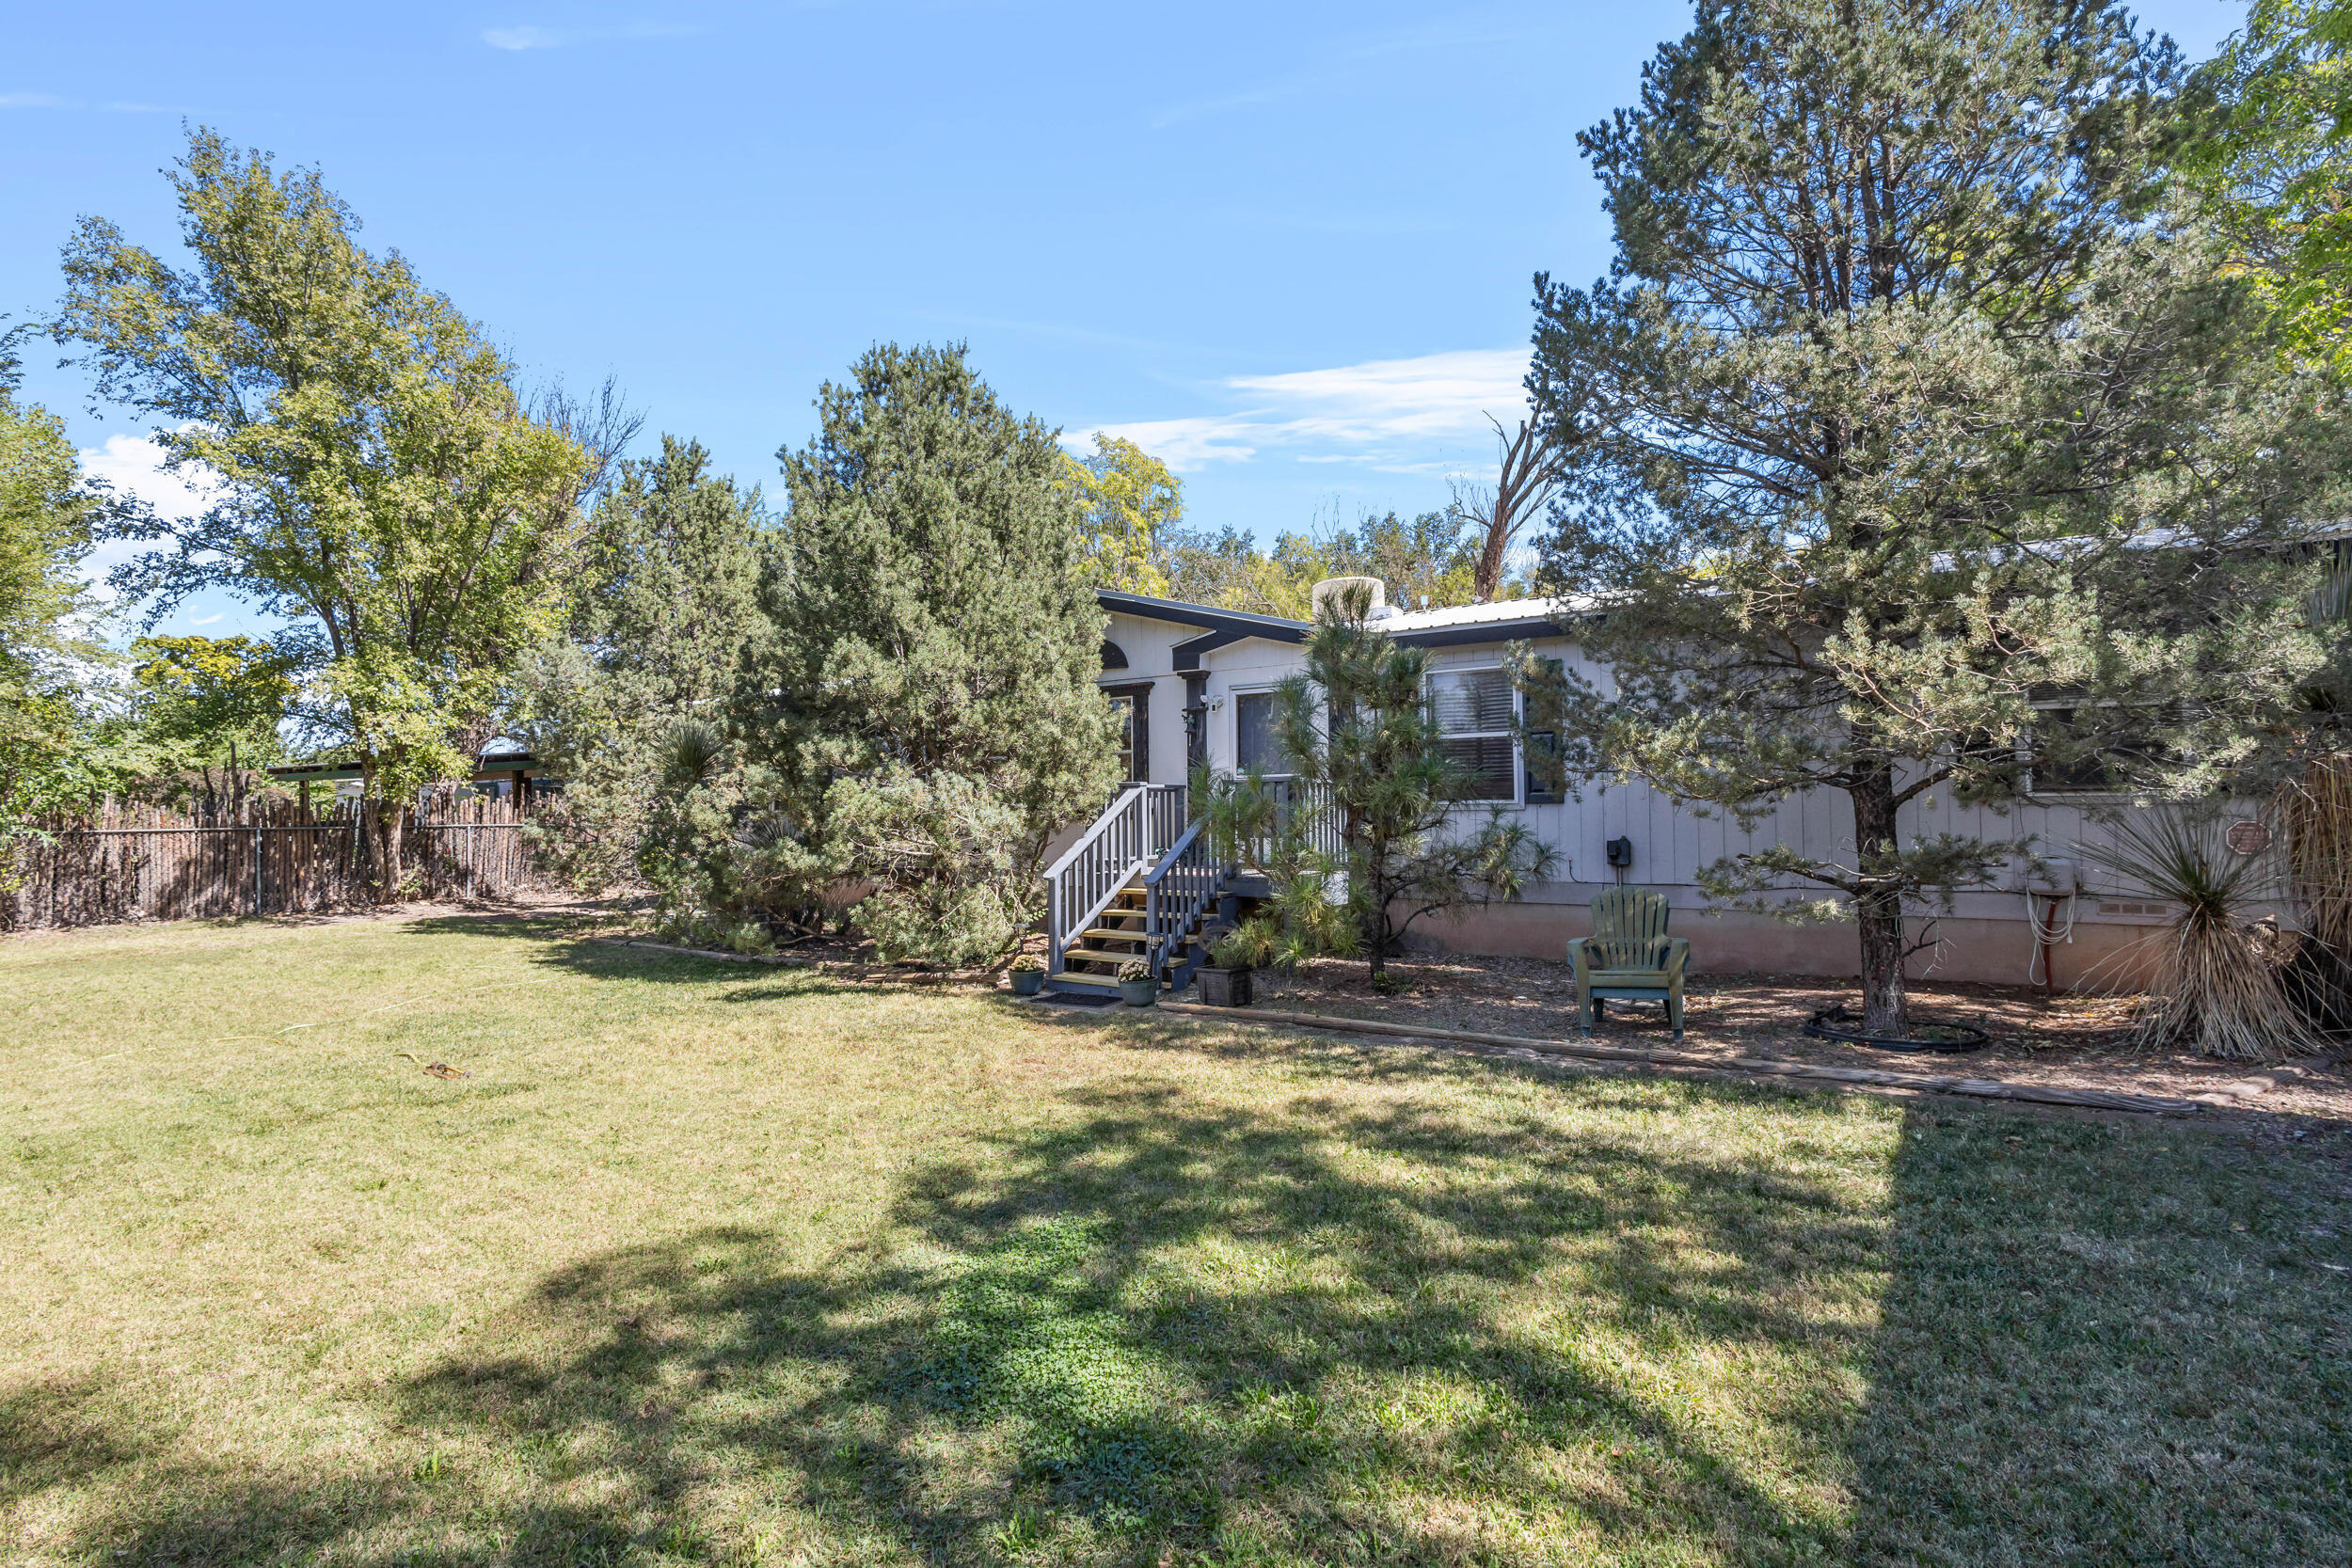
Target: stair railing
[
  {"x": 1135, "y": 829},
  {"x": 1309, "y": 804},
  {"x": 1177, "y": 893}
]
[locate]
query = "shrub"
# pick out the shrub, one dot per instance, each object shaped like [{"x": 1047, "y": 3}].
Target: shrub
[
  {"x": 2219, "y": 983},
  {"x": 1248, "y": 945}
]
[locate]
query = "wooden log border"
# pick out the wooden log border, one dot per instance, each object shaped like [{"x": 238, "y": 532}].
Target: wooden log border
[
  {"x": 2231, "y": 1094},
  {"x": 1920, "y": 1083}
]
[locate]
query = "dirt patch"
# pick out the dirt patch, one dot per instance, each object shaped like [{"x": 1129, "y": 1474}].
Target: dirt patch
[{"x": 2082, "y": 1042}]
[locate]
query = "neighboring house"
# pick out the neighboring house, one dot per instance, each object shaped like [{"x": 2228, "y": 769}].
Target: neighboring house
[
  {"x": 1198, "y": 684},
  {"x": 502, "y": 769}
]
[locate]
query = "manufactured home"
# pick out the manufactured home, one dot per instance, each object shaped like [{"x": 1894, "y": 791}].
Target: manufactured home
[{"x": 1197, "y": 685}]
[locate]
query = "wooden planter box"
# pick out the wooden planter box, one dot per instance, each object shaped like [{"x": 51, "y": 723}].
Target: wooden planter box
[{"x": 1225, "y": 988}]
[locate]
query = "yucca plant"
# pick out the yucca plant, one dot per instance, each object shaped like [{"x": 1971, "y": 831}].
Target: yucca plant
[{"x": 2217, "y": 984}]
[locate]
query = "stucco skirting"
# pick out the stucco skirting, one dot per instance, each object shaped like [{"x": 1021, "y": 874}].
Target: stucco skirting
[{"x": 2100, "y": 957}]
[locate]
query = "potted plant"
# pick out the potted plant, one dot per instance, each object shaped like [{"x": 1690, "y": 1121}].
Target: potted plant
[
  {"x": 1137, "y": 985},
  {"x": 1028, "y": 974},
  {"x": 1225, "y": 980}
]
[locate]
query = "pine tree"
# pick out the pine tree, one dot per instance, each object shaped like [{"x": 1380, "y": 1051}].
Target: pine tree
[
  {"x": 1361, "y": 732},
  {"x": 1906, "y": 412},
  {"x": 921, "y": 709},
  {"x": 666, "y": 604}
]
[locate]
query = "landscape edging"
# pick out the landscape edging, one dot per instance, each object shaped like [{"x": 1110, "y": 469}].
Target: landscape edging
[{"x": 1981, "y": 1088}]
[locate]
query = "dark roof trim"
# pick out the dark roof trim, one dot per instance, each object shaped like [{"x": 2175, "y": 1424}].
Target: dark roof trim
[
  {"x": 1186, "y": 656},
  {"x": 1483, "y": 631},
  {"x": 488, "y": 762},
  {"x": 1241, "y": 622}
]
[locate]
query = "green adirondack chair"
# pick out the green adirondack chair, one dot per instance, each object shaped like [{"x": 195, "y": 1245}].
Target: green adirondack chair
[{"x": 1628, "y": 957}]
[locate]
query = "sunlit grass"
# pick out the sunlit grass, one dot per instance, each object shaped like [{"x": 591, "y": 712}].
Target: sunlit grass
[{"x": 707, "y": 1266}]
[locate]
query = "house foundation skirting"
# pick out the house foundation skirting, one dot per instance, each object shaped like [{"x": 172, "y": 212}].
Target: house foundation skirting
[{"x": 2101, "y": 957}]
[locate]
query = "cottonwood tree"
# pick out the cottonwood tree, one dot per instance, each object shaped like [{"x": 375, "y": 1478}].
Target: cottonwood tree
[
  {"x": 2275, "y": 150},
  {"x": 50, "y": 756},
  {"x": 1424, "y": 561},
  {"x": 376, "y": 479},
  {"x": 920, "y": 707},
  {"x": 1905, "y": 412},
  {"x": 1130, "y": 502},
  {"x": 212, "y": 702}
]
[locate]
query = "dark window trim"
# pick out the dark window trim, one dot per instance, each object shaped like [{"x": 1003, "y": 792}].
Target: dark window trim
[{"x": 1139, "y": 693}]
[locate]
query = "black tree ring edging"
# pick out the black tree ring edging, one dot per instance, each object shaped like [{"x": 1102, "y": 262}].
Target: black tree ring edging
[{"x": 1832, "y": 1023}]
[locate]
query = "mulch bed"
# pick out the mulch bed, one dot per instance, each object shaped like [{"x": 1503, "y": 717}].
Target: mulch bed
[{"x": 2084, "y": 1043}]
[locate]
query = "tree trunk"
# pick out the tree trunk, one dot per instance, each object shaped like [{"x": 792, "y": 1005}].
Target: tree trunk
[
  {"x": 394, "y": 823},
  {"x": 1487, "y": 580},
  {"x": 1879, "y": 905},
  {"x": 383, "y": 827}
]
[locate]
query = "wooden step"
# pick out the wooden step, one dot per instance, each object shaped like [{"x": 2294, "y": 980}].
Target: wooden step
[
  {"x": 1074, "y": 978},
  {"x": 1113, "y": 932}
]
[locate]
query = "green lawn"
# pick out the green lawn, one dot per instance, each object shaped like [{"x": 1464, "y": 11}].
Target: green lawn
[{"x": 703, "y": 1264}]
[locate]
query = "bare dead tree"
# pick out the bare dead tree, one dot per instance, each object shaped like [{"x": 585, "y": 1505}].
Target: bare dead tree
[
  {"x": 1527, "y": 477},
  {"x": 601, "y": 421}
]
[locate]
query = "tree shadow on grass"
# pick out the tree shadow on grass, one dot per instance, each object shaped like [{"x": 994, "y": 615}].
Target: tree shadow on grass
[
  {"x": 1173, "y": 1327},
  {"x": 1161, "y": 1329},
  {"x": 1629, "y": 1322},
  {"x": 564, "y": 946}
]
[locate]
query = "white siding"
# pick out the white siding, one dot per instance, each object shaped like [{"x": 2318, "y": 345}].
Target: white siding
[{"x": 1671, "y": 842}]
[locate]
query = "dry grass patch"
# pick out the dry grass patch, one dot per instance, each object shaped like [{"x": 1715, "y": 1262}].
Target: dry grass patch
[{"x": 702, "y": 1265}]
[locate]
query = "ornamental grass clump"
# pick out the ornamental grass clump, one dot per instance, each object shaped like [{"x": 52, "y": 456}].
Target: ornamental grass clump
[{"x": 2218, "y": 985}]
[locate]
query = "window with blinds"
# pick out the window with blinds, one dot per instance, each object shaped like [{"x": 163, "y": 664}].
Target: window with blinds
[{"x": 1473, "y": 709}]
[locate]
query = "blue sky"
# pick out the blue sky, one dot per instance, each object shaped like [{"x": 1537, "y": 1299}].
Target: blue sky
[{"x": 1287, "y": 246}]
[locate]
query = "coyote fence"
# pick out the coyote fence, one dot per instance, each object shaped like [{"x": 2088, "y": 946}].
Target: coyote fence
[{"x": 136, "y": 862}]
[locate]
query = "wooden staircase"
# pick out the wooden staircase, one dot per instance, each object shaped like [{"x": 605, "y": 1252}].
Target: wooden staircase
[{"x": 1118, "y": 934}]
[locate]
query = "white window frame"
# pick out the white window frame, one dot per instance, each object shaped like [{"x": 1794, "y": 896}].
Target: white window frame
[{"x": 1518, "y": 798}]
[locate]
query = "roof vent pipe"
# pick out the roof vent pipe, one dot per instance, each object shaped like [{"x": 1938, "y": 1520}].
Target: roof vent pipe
[{"x": 1329, "y": 590}]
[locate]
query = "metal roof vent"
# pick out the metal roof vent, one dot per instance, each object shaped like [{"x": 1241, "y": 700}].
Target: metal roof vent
[{"x": 1330, "y": 588}]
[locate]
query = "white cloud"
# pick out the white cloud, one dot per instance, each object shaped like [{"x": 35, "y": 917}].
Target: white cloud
[
  {"x": 519, "y": 37},
  {"x": 133, "y": 465},
  {"x": 1397, "y": 414},
  {"x": 51, "y": 100},
  {"x": 526, "y": 36}
]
